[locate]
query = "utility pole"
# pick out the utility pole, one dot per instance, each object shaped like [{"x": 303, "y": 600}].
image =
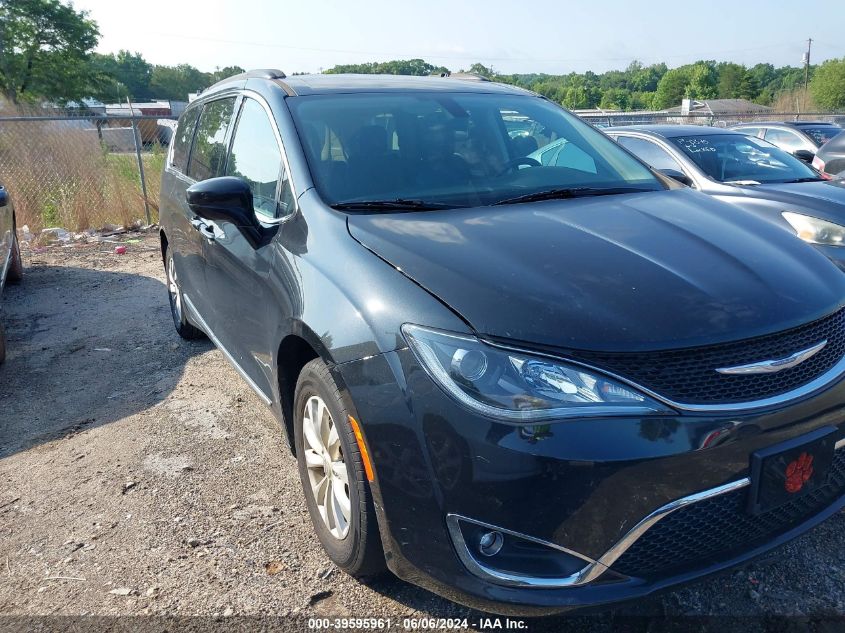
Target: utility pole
[{"x": 806, "y": 72}]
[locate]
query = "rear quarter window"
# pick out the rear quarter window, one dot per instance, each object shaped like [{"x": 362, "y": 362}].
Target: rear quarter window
[{"x": 182, "y": 139}]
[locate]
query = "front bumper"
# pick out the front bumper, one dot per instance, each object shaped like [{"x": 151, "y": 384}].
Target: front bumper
[{"x": 593, "y": 487}]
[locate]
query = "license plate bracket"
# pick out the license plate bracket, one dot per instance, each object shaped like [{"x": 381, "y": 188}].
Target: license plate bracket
[{"x": 789, "y": 470}]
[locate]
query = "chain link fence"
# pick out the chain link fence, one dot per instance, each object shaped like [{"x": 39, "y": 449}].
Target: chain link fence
[
  {"x": 615, "y": 119},
  {"x": 69, "y": 170}
]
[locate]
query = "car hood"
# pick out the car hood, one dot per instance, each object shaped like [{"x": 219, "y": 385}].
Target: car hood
[
  {"x": 657, "y": 270},
  {"x": 826, "y": 197}
]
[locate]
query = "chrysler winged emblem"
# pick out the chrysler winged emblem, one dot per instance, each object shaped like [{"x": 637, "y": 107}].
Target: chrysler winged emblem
[{"x": 772, "y": 366}]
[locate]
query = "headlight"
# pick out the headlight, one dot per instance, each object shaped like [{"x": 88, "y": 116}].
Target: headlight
[
  {"x": 518, "y": 387},
  {"x": 816, "y": 231}
]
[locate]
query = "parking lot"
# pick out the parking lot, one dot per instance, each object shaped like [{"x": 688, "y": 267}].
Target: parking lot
[{"x": 140, "y": 475}]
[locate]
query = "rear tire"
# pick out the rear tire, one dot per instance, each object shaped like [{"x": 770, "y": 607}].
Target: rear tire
[
  {"x": 325, "y": 443},
  {"x": 177, "y": 304},
  {"x": 15, "y": 273}
]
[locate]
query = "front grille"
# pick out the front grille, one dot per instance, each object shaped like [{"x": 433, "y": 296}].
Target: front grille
[
  {"x": 688, "y": 376},
  {"x": 720, "y": 528}
]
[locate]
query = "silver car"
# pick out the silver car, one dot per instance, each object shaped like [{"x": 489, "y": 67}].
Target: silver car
[{"x": 749, "y": 173}]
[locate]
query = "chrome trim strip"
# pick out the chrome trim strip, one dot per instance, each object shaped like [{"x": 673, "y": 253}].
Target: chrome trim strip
[
  {"x": 622, "y": 545},
  {"x": 594, "y": 568},
  {"x": 774, "y": 365},
  {"x": 504, "y": 578},
  {"x": 824, "y": 380},
  {"x": 199, "y": 321}
]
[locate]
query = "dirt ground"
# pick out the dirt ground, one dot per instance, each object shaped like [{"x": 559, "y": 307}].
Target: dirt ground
[{"x": 140, "y": 475}]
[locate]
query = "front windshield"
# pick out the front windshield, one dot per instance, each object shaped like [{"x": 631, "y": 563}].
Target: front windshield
[
  {"x": 455, "y": 149},
  {"x": 821, "y": 134},
  {"x": 739, "y": 158}
]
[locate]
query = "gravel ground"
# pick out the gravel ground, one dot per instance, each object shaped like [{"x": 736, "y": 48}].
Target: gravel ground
[{"x": 140, "y": 475}]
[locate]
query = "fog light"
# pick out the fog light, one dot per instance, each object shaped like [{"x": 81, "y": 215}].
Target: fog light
[{"x": 491, "y": 543}]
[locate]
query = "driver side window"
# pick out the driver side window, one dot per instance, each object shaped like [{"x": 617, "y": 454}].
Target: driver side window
[{"x": 257, "y": 158}]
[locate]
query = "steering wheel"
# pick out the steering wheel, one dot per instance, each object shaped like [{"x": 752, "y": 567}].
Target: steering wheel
[{"x": 516, "y": 162}]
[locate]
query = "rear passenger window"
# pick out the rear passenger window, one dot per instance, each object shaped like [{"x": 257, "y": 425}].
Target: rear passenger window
[
  {"x": 209, "y": 154},
  {"x": 182, "y": 139},
  {"x": 257, "y": 158},
  {"x": 785, "y": 139}
]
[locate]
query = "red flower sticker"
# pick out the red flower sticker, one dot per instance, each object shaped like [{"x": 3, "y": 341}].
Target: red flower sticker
[{"x": 798, "y": 472}]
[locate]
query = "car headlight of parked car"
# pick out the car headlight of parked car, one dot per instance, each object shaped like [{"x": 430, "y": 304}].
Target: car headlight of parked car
[
  {"x": 816, "y": 231},
  {"x": 517, "y": 387}
]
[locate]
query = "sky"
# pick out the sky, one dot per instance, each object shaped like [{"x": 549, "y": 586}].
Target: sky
[{"x": 531, "y": 36}]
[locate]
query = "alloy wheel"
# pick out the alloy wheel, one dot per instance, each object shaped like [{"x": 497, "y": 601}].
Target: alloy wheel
[
  {"x": 173, "y": 289},
  {"x": 327, "y": 472}
]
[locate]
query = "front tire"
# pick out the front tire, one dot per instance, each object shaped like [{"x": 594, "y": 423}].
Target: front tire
[
  {"x": 177, "y": 304},
  {"x": 334, "y": 481}
]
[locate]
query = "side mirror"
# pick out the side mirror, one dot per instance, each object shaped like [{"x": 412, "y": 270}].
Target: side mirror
[
  {"x": 804, "y": 154},
  {"x": 225, "y": 199},
  {"x": 4, "y": 197},
  {"x": 674, "y": 174}
]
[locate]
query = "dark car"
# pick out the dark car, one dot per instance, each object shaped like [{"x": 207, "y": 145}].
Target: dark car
[
  {"x": 830, "y": 159},
  {"x": 11, "y": 265},
  {"x": 527, "y": 387},
  {"x": 800, "y": 138},
  {"x": 750, "y": 174}
]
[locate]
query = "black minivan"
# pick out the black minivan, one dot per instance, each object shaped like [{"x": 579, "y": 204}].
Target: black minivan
[{"x": 526, "y": 387}]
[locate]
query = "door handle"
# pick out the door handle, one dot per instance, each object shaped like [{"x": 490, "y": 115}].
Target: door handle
[{"x": 206, "y": 231}]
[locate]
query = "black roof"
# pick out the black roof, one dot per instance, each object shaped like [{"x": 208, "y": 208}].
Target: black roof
[
  {"x": 339, "y": 83},
  {"x": 672, "y": 131}
]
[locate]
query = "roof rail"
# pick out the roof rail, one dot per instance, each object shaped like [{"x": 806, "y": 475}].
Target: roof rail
[
  {"x": 258, "y": 73},
  {"x": 264, "y": 73},
  {"x": 466, "y": 76}
]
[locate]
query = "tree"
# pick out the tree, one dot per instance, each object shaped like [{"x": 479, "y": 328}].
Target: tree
[
  {"x": 672, "y": 88},
  {"x": 828, "y": 85},
  {"x": 222, "y": 73},
  {"x": 44, "y": 50},
  {"x": 702, "y": 81},
  {"x": 731, "y": 77},
  {"x": 116, "y": 77},
  {"x": 175, "y": 82},
  {"x": 615, "y": 99},
  {"x": 417, "y": 67}
]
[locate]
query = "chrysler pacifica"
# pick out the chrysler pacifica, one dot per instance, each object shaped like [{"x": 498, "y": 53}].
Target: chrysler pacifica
[{"x": 528, "y": 387}]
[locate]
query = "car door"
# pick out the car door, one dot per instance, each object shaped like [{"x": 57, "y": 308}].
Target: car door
[
  {"x": 207, "y": 160},
  {"x": 247, "y": 308}
]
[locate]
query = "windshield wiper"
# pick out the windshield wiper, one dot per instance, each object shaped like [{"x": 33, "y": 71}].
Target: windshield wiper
[
  {"x": 397, "y": 204},
  {"x": 808, "y": 179},
  {"x": 570, "y": 192}
]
